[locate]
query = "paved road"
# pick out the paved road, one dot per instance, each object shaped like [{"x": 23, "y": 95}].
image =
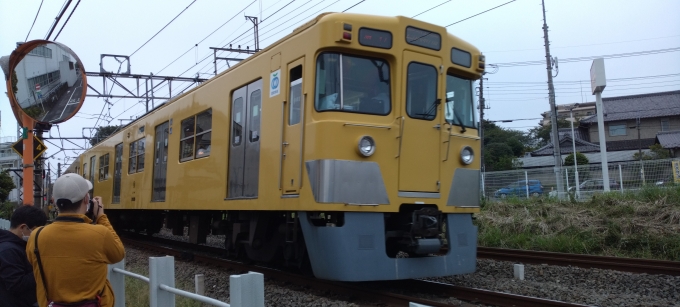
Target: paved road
[{"x": 66, "y": 104}]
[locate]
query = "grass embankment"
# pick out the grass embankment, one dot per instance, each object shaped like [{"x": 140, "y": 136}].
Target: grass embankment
[
  {"x": 645, "y": 224},
  {"x": 137, "y": 291}
]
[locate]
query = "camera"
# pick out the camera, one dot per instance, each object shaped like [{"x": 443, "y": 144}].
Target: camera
[{"x": 90, "y": 210}]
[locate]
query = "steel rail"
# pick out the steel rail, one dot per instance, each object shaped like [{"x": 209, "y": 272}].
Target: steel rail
[
  {"x": 358, "y": 291},
  {"x": 634, "y": 265}
]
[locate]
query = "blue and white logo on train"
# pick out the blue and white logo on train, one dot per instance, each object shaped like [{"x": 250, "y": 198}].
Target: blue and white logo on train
[{"x": 275, "y": 83}]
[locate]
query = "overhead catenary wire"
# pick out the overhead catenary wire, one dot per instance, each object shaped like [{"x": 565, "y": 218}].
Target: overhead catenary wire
[
  {"x": 432, "y": 8},
  {"x": 34, "y": 19},
  {"x": 56, "y": 20},
  {"x": 161, "y": 30},
  {"x": 590, "y": 58},
  {"x": 493, "y": 8}
]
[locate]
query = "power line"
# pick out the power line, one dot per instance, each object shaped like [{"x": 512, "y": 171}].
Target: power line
[
  {"x": 347, "y": 9},
  {"x": 56, "y": 20},
  {"x": 180, "y": 13},
  {"x": 590, "y": 58},
  {"x": 493, "y": 8},
  {"x": 67, "y": 19},
  {"x": 588, "y": 81},
  {"x": 36, "y": 18},
  {"x": 586, "y": 45}
]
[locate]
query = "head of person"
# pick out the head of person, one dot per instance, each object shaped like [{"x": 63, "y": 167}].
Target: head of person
[
  {"x": 25, "y": 219},
  {"x": 71, "y": 193}
]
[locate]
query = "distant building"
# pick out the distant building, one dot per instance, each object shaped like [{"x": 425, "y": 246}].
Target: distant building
[
  {"x": 583, "y": 110},
  {"x": 659, "y": 115},
  {"x": 9, "y": 159}
]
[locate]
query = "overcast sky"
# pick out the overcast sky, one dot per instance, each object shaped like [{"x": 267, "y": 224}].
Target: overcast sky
[{"x": 510, "y": 33}]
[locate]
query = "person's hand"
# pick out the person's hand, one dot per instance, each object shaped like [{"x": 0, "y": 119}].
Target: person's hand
[{"x": 98, "y": 207}]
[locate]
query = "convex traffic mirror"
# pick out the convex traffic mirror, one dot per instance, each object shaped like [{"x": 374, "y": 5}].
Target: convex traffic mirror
[{"x": 46, "y": 81}]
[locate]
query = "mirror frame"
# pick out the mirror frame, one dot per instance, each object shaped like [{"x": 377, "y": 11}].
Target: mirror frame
[{"x": 16, "y": 57}]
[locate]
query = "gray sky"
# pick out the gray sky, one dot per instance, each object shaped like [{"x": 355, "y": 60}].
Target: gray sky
[{"x": 511, "y": 33}]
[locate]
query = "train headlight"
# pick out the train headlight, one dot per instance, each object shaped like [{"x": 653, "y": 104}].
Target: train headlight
[
  {"x": 366, "y": 146},
  {"x": 467, "y": 155}
]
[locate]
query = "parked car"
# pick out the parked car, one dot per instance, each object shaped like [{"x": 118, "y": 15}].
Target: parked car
[
  {"x": 594, "y": 185},
  {"x": 519, "y": 188}
]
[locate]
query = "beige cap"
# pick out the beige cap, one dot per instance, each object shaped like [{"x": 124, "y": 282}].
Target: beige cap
[{"x": 72, "y": 187}]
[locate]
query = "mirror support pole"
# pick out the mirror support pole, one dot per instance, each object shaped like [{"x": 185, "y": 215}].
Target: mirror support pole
[{"x": 29, "y": 124}]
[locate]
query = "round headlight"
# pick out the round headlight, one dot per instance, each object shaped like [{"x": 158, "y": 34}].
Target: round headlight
[
  {"x": 366, "y": 146},
  {"x": 467, "y": 155}
]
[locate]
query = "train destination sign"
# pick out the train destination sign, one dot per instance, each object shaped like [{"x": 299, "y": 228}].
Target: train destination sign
[
  {"x": 38, "y": 147},
  {"x": 375, "y": 38},
  {"x": 423, "y": 38}
]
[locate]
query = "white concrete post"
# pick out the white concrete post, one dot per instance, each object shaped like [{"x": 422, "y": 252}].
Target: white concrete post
[
  {"x": 620, "y": 179},
  {"x": 199, "y": 281},
  {"x": 246, "y": 290},
  {"x": 518, "y": 270},
  {"x": 417, "y": 305},
  {"x": 161, "y": 271},
  {"x": 566, "y": 177},
  {"x": 117, "y": 281},
  {"x": 526, "y": 183}
]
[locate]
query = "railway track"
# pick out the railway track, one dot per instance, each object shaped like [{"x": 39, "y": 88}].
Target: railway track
[
  {"x": 634, "y": 265},
  {"x": 382, "y": 293}
]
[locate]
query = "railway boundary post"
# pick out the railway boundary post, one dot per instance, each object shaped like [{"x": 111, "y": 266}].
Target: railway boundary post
[{"x": 245, "y": 290}]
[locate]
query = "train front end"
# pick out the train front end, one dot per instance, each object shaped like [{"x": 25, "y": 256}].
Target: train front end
[{"x": 391, "y": 151}]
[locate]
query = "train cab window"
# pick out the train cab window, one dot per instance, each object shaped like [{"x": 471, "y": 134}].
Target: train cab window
[
  {"x": 104, "y": 167},
  {"x": 421, "y": 91},
  {"x": 136, "y": 156},
  {"x": 459, "y": 108},
  {"x": 352, "y": 84},
  {"x": 195, "y": 141}
]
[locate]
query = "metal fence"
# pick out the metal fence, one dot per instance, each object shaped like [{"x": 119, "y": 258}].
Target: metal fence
[
  {"x": 626, "y": 175},
  {"x": 245, "y": 290}
]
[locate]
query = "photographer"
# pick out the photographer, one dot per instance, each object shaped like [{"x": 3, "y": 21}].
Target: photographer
[{"x": 73, "y": 254}]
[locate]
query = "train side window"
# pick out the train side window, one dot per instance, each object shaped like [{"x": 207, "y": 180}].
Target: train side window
[
  {"x": 421, "y": 91},
  {"x": 136, "y": 156},
  {"x": 237, "y": 125},
  {"x": 195, "y": 141},
  {"x": 254, "y": 133},
  {"x": 295, "y": 95},
  {"x": 203, "y": 133},
  {"x": 104, "y": 167}
]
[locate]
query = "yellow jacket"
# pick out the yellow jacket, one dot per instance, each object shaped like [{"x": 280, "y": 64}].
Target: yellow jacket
[{"x": 74, "y": 257}]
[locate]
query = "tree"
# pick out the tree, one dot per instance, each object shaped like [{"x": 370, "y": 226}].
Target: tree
[
  {"x": 15, "y": 81},
  {"x": 102, "y": 133},
  {"x": 6, "y": 185},
  {"x": 541, "y": 134},
  {"x": 580, "y": 158},
  {"x": 657, "y": 152},
  {"x": 503, "y": 146}
]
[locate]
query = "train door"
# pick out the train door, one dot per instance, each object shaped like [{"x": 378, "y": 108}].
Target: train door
[
  {"x": 419, "y": 149},
  {"x": 293, "y": 115},
  {"x": 244, "y": 153},
  {"x": 160, "y": 162}
]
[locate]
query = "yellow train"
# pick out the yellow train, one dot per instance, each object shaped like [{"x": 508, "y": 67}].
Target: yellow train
[{"x": 349, "y": 143}]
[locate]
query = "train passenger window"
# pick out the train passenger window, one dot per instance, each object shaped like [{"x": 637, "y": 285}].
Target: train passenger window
[
  {"x": 104, "y": 167},
  {"x": 421, "y": 91},
  {"x": 255, "y": 99},
  {"x": 136, "y": 156},
  {"x": 352, "y": 84},
  {"x": 295, "y": 95},
  {"x": 237, "y": 125},
  {"x": 195, "y": 141},
  {"x": 459, "y": 108}
]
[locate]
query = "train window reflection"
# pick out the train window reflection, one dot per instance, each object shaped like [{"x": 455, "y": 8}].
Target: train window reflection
[
  {"x": 352, "y": 84},
  {"x": 459, "y": 108}
]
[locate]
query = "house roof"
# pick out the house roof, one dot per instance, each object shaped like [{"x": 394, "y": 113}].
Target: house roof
[
  {"x": 566, "y": 146},
  {"x": 580, "y": 133},
  {"x": 652, "y": 105},
  {"x": 593, "y": 158},
  {"x": 668, "y": 139},
  {"x": 629, "y": 144}
]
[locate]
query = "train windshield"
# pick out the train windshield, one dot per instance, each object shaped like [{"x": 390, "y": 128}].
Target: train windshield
[
  {"x": 459, "y": 108},
  {"x": 352, "y": 84}
]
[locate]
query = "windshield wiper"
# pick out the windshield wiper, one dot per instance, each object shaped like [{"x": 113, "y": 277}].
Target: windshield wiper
[
  {"x": 433, "y": 108},
  {"x": 462, "y": 127}
]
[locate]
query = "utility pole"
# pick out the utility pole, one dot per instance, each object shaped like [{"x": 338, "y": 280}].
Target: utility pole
[
  {"x": 553, "y": 109},
  {"x": 482, "y": 106}
]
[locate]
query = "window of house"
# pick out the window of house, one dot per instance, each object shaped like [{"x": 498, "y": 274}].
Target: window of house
[
  {"x": 195, "y": 139},
  {"x": 136, "y": 156},
  {"x": 617, "y": 129},
  {"x": 104, "y": 167},
  {"x": 665, "y": 124}
]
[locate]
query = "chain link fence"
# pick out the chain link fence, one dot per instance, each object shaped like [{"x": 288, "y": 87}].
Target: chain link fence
[{"x": 542, "y": 182}]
